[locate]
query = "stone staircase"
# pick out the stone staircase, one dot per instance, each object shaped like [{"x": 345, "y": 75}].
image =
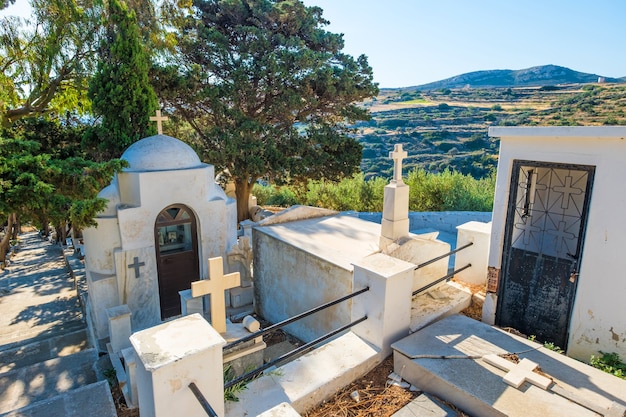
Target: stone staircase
[{"x": 53, "y": 376}]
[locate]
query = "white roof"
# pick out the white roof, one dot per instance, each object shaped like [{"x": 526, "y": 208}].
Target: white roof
[
  {"x": 559, "y": 131},
  {"x": 160, "y": 153},
  {"x": 340, "y": 239}
]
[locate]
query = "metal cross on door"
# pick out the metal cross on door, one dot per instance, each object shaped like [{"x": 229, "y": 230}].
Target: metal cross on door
[{"x": 544, "y": 235}]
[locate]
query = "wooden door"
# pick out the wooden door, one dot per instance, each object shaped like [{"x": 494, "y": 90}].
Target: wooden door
[
  {"x": 544, "y": 235},
  {"x": 177, "y": 256}
]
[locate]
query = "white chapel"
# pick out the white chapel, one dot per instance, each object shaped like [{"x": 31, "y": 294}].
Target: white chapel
[{"x": 165, "y": 217}]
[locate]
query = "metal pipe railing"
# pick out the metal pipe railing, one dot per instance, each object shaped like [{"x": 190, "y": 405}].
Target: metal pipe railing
[
  {"x": 292, "y": 319},
  {"x": 452, "y": 252},
  {"x": 203, "y": 401},
  {"x": 256, "y": 372},
  {"x": 444, "y": 278}
]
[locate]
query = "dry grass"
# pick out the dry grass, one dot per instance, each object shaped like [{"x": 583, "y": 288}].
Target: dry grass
[{"x": 377, "y": 398}]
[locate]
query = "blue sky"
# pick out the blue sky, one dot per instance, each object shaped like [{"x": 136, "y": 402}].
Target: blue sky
[{"x": 412, "y": 42}]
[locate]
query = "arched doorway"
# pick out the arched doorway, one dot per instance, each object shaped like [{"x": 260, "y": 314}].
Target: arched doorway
[{"x": 176, "y": 242}]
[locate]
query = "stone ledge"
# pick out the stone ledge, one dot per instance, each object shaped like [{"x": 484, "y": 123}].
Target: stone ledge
[{"x": 309, "y": 380}]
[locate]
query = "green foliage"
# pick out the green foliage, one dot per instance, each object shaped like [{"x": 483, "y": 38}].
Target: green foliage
[
  {"x": 551, "y": 346},
  {"x": 274, "y": 196},
  {"x": 268, "y": 91},
  {"x": 46, "y": 60},
  {"x": 448, "y": 191},
  {"x": 610, "y": 363},
  {"x": 230, "y": 394},
  {"x": 120, "y": 90},
  {"x": 111, "y": 376},
  {"x": 38, "y": 183}
]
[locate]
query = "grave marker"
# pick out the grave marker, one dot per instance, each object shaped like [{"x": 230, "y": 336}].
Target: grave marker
[
  {"x": 518, "y": 373},
  {"x": 215, "y": 287}
]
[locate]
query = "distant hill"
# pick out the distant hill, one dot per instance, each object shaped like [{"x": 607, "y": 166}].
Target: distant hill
[{"x": 544, "y": 75}]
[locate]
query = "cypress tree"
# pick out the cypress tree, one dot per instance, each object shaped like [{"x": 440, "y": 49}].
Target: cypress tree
[{"x": 121, "y": 94}]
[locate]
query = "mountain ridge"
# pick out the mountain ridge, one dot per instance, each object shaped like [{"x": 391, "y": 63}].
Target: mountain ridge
[{"x": 538, "y": 76}]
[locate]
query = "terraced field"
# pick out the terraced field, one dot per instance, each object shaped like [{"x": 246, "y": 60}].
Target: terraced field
[{"x": 448, "y": 128}]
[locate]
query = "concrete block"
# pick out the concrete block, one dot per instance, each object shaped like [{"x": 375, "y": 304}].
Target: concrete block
[
  {"x": 281, "y": 410},
  {"x": 119, "y": 327}
]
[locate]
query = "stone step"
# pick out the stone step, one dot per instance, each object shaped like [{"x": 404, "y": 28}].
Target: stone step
[
  {"x": 445, "y": 300},
  {"x": 24, "y": 338},
  {"x": 43, "y": 350},
  {"x": 44, "y": 380},
  {"x": 91, "y": 400}
]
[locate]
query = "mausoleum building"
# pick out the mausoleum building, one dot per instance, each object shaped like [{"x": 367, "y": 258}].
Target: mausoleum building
[
  {"x": 558, "y": 237},
  {"x": 164, "y": 218}
]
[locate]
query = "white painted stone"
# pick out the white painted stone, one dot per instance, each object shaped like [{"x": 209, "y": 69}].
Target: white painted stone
[
  {"x": 308, "y": 380},
  {"x": 416, "y": 251},
  {"x": 598, "y": 319},
  {"x": 518, "y": 373},
  {"x": 170, "y": 357},
  {"x": 477, "y": 387},
  {"x": 119, "y": 327},
  {"x": 489, "y": 309},
  {"x": 130, "y": 365},
  {"x": 241, "y": 296},
  {"x": 158, "y": 166},
  {"x": 426, "y": 309},
  {"x": 141, "y": 294},
  {"x": 281, "y": 410},
  {"x": 387, "y": 304},
  {"x": 293, "y": 258},
  {"x": 190, "y": 305},
  {"x": 477, "y": 255},
  {"x": 102, "y": 295},
  {"x": 251, "y": 324}
]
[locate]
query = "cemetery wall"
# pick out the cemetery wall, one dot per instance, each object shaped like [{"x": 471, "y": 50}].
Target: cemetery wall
[{"x": 443, "y": 221}]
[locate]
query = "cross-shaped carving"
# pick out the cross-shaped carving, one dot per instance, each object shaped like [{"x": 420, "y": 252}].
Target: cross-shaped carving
[
  {"x": 214, "y": 287},
  {"x": 159, "y": 119},
  {"x": 136, "y": 265},
  {"x": 567, "y": 190},
  {"x": 518, "y": 373},
  {"x": 397, "y": 155}
]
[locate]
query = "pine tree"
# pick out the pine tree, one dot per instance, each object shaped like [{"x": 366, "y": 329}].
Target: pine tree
[{"x": 120, "y": 90}]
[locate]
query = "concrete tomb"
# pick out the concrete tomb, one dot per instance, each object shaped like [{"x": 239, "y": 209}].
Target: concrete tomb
[
  {"x": 304, "y": 257},
  {"x": 165, "y": 216}
]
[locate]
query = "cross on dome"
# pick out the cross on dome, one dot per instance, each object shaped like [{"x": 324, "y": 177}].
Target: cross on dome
[
  {"x": 397, "y": 155},
  {"x": 159, "y": 119}
]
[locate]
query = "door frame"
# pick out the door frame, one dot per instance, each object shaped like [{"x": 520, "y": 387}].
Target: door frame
[
  {"x": 174, "y": 222},
  {"x": 509, "y": 225}
]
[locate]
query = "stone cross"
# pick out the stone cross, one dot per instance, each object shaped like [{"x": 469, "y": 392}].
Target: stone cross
[
  {"x": 518, "y": 373},
  {"x": 159, "y": 119},
  {"x": 397, "y": 155},
  {"x": 214, "y": 287},
  {"x": 136, "y": 265}
]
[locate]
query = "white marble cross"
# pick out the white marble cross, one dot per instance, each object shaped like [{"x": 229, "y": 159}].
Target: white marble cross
[
  {"x": 518, "y": 373},
  {"x": 397, "y": 155},
  {"x": 214, "y": 287},
  {"x": 159, "y": 119}
]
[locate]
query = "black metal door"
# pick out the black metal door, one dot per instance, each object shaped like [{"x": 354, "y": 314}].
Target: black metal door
[{"x": 544, "y": 234}]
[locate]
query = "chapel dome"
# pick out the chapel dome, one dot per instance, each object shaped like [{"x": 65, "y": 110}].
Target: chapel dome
[{"x": 160, "y": 153}]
